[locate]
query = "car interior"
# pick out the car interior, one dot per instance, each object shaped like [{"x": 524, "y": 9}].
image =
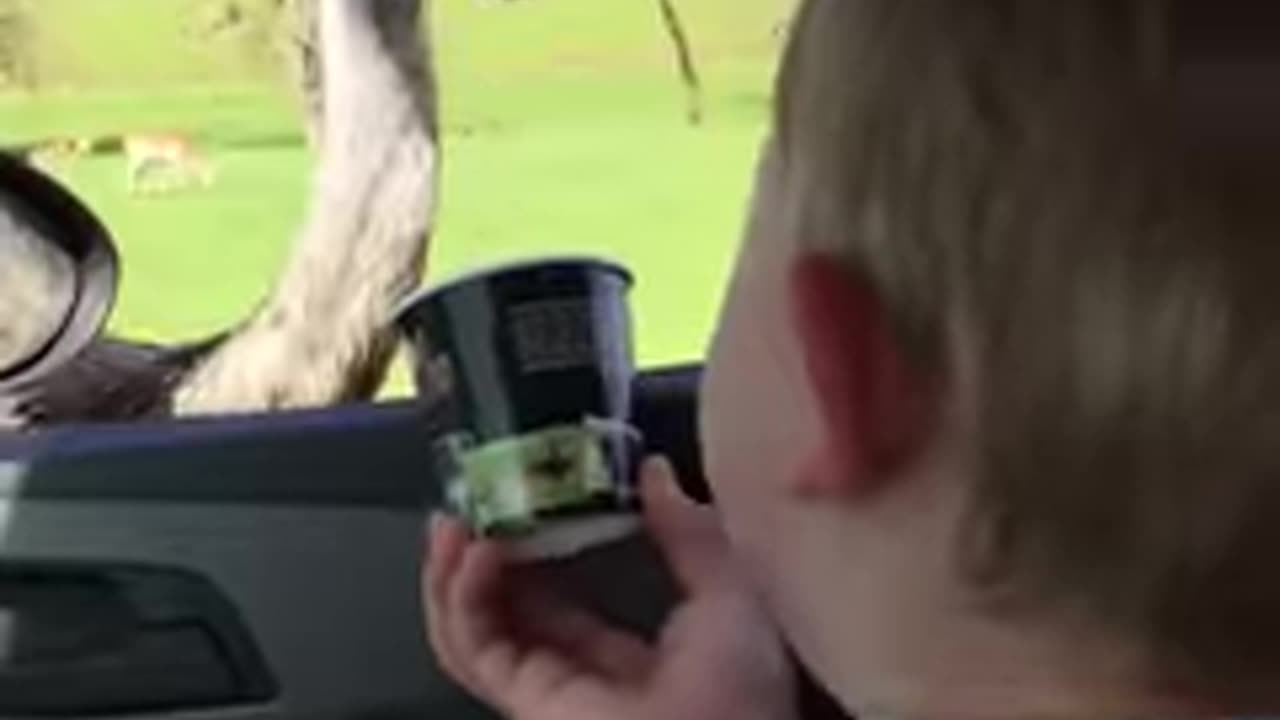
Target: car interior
[{"x": 262, "y": 567}]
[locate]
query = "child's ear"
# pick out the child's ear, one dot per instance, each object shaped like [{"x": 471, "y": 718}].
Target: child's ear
[{"x": 875, "y": 410}]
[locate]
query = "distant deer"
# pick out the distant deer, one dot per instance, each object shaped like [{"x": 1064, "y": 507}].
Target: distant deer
[
  {"x": 52, "y": 156},
  {"x": 158, "y": 162}
]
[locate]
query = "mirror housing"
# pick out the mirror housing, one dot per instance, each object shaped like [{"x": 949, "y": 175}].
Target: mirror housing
[{"x": 58, "y": 220}]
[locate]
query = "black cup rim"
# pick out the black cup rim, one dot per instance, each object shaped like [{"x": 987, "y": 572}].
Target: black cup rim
[
  {"x": 488, "y": 272},
  {"x": 78, "y": 232}
]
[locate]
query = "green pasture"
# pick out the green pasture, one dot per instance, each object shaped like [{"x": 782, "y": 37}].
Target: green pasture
[{"x": 563, "y": 133}]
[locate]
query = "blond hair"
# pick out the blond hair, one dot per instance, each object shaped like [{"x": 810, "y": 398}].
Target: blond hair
[{"x": 1037, "y": 167}]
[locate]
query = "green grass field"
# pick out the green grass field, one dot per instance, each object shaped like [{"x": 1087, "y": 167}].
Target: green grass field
[{"x": 564, "y": 133}]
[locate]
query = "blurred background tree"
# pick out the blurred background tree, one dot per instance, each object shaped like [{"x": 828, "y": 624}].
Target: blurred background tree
[
  {"x": 278, "y": 33},
  {"x": 18, "y": 60}
]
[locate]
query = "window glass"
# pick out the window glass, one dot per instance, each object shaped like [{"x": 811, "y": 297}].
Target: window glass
[{"x": 567, "y": 125}]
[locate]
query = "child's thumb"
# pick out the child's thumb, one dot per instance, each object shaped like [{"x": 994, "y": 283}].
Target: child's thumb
[{"x": 689, "y": 534}]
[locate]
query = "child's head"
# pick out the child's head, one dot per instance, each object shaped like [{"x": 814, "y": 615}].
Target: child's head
[{"x": 1001, "y": 365}]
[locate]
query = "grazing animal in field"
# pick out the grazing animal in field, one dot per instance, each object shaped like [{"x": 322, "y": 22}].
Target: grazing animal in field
[
  {"x": 53, "y": 156},
  {"x": 161, "y": 162}
]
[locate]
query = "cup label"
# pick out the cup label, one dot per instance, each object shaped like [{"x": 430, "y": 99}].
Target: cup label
[
  {"x": 553, "y": 334},
  {"x": 505, "y": 487}
]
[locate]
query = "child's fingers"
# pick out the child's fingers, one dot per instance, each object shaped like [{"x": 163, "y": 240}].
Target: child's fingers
[
  {"x": 689, "y": 535},
  {"x": 447, "y": 541},
  {"x": 505, "y": 668},
  {"x": 447, "y": 545},
  {"x": 581, "y": 637},
  {"x": 479, "y": 635}
]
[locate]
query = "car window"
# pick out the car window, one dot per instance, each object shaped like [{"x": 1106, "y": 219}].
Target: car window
[{"x": 625, "y": 129}]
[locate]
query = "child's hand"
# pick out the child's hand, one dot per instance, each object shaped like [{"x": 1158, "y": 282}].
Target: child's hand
[{"x": 535, "y": 657}]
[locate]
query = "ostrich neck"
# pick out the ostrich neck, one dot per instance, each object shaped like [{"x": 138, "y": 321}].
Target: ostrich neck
[
  {"x": 374, "y": 182},
  {"x": 324, "y": 335}
]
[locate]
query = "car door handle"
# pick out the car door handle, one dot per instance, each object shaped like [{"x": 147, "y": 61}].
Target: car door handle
[{"x": 96, "y": 641}]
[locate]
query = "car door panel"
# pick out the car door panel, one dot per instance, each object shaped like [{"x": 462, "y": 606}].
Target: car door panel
[{"x": 277, "y": 557}]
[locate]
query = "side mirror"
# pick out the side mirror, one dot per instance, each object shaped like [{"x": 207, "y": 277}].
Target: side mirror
[{"x": 58, "y": 274}]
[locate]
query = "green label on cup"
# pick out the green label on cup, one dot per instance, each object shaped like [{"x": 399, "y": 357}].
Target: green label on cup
[{"x": 506, "y": 487}]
